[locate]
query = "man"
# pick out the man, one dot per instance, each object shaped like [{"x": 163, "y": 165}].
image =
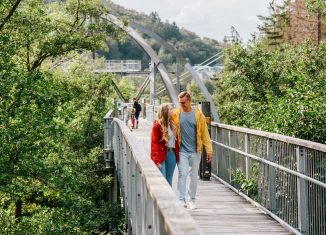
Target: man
[
  {"x": 193, "y": 134},
  {"x": 137, "y": 108}
]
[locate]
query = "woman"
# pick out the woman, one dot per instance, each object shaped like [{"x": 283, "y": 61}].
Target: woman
[{"x": 164, "y": 145}]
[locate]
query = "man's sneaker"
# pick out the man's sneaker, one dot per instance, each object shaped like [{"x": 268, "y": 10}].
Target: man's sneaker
[{"x": 191, "y": 205}]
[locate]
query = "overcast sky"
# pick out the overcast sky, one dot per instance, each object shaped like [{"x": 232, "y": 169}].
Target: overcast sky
[{"x": 209, "y": 18}]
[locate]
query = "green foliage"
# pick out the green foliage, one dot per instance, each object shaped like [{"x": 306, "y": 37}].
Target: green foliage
[
  {"x": 196, "y": 94},
  {"x": 52, "y": 171},
  {"x": 274, "y": 25},
  {"x": 51, "y": 127},
  {"x": 128, "y": 88},
  {"x": 280, "y": 91},
  {"x": 248, "y": 185},
  {"x": 317, "y": 6},
  {"x": 38, "y": 30}
]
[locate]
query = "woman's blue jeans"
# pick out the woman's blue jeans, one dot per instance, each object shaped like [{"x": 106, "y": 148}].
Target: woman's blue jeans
[{"x": 168, "y": 166}]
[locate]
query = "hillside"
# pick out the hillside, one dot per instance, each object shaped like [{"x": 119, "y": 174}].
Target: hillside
[{"x": 188, "y": 44}]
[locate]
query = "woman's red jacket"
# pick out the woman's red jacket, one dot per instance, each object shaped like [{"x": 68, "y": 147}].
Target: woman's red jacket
[{"x": 158, "y": 146}]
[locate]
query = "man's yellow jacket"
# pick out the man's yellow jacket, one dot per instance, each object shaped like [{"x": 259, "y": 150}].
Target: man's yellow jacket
[{"x": 203, "y": 137}]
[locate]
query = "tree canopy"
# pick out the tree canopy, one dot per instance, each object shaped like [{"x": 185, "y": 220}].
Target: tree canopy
[
  {"x": 280, "y": 91},
  {"x": 52, "y": 173}
]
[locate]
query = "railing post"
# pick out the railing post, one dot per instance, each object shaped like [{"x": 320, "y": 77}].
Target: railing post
[
  {"x": 153, "y": 117},
  {"x": 112, "y": 189},
  {"x": 128, "y": 189},
  {"x": 215, "y": 153},
  {"x": 143, "y": 108},
  {"x": 229, "y": 157},
  {"x": 271, "y": 177},
  {"x": 177, "y": 75},
  {"x": 139, "y": 207},
  {"x": 220, "y": 154},
  {"x": 302, "y": 191},
  {"x": 152, "y": 84},
  {"x": 246, "y": 150},
  {"x": 246, "y": 159}
]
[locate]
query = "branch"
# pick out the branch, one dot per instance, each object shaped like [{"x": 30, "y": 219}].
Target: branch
[
  {"x": 39, "y": 61},
  {"x": 11, "y": 12},
  {"x": 77, "y": 17},
  {"x": 8, "y": 111}
]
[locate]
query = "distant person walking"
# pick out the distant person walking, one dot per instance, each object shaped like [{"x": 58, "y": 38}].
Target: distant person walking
[
  {"x": 164, "y": 144},
  {"x": 133, "y": 118},
  {"x": 192, "y": 135},
  {"x": 137, "y": 107}
]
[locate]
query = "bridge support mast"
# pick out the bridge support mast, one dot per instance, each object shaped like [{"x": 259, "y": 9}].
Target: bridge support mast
[
  {"x": 177, "y": 74},
  {"x": 152, "y": 86}
]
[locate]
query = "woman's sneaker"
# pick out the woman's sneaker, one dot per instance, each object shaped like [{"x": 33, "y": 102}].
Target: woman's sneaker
[
  {"x": 183, "y": 204},
  {"x": 191, "y": 205}
]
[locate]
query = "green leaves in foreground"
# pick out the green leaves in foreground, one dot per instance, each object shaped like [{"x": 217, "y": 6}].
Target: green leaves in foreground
[{"x": 52, "y": 178}]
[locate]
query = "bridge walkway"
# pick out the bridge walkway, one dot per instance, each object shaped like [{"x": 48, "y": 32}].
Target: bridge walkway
[{"x": 219, "y": 209}]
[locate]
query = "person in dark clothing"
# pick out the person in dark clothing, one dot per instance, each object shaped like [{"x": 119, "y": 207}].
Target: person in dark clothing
[{"x": 137, "y": 107}]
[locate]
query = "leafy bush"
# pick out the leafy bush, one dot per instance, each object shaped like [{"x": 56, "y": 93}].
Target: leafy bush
[{"x": 248, "y": 185}]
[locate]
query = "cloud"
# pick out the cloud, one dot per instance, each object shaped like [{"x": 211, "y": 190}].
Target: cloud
[{"x": 210, "y": 18}]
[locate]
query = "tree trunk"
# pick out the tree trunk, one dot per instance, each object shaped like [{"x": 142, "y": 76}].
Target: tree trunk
[
  {"x": 318, "y": 27},
  {"x": 18, "y": 209}
]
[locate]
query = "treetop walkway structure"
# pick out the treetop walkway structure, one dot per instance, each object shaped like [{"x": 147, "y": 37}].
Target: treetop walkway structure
[
  {"x": 286, "y": 176},
  {"x": 156, "y": 64}
]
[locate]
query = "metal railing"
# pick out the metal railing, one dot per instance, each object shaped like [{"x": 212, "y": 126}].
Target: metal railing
[
  {"x": 123, "y": 65},
  {"x": 288, "y": 175},
  {"x": 151, "y": 206}
]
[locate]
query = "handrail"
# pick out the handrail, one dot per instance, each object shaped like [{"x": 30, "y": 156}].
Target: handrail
[
  {"x": 150, "y": 203},
  {"x": 287, "y": 175},
  {"x": 287, "y": 139}
]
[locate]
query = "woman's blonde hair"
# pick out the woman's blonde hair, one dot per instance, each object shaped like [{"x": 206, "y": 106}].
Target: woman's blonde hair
[{"x": 164, "y": 120}]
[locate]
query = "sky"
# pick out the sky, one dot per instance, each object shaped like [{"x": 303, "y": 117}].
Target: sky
[{"x": 207, "y": 18}]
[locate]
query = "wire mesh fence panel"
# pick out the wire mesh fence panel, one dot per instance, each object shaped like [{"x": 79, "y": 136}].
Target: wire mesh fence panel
[{"x": 285, "y": 175}]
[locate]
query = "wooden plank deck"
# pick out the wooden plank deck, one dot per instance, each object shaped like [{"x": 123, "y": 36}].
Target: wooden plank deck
[{"x": 219, "y": 209}]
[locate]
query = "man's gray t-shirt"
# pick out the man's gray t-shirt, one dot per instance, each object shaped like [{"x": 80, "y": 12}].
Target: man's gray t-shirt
[{"x": 188, "y": 132}]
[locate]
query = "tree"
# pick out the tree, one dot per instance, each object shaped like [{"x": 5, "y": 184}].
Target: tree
[
  {"x": 273, "y": 26},
  {"x": 292, "y": 23},
  {"x": 50, "y": 123},
  {"x": 127, "y": 88},
  {"x": 40, "y": 31},
  {"x": 11, "y": 6},
  {"x": 276, "y": 91},
  {"x": 318, "y": 7},
  {"x": 196, "y": 94},
  {"x": 50, "y": 152}
]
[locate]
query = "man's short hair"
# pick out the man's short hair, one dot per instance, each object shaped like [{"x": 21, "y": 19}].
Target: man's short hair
[{"x": 184, "y": 94}]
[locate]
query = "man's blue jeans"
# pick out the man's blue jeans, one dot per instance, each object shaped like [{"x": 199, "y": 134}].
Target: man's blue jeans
[
  {"x": 168, "y": 166},
  {"x": 189, "y": 163}
]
